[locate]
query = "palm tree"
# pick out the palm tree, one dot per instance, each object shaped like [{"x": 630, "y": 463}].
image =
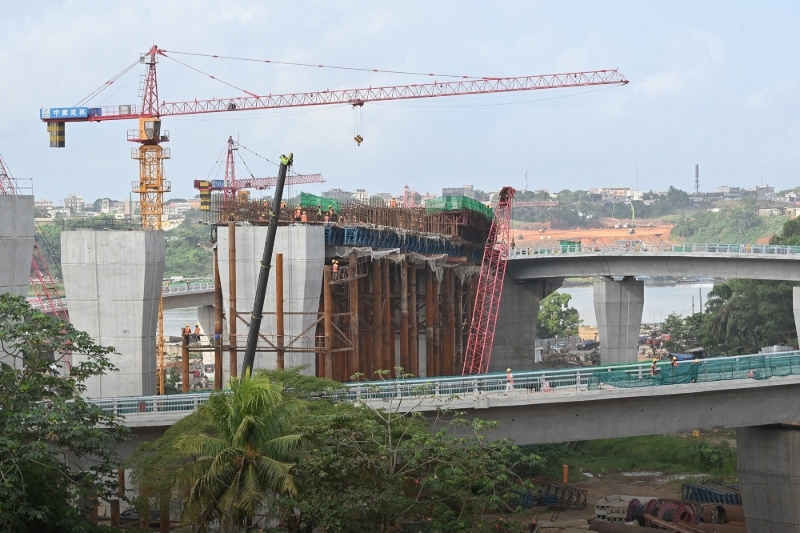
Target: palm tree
[{"x": 245, "y": 459}]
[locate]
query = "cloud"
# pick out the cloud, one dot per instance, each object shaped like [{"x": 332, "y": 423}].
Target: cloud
[
  {"x": 713, "y": 44},
  {"x": 662, "y": 84},
  {"x": 763, "y": 98}
]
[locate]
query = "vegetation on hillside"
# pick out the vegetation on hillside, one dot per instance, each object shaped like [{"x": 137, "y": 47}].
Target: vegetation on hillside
[
  {"x": 183, "y": 255},
  {"x": 731, "y": 224},
  {"x": 576, "y": 208}
]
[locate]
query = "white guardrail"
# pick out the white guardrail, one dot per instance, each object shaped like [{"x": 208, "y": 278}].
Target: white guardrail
[
  {"x": 192, "y": 286},
  {"x": 561, "y": 380},
  {"x": 662, "y": 247}
]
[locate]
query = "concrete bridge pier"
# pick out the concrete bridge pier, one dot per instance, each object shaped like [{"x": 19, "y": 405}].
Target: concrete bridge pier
[
  {"x": 796, "y": 306},
  {"x": 16, "y": 243},
  {"x": 514, "y": 339},
  {"x": 768, "y": 463},
  {"x": 618, "y": 307},
  {"x": 113, "y": 284}
]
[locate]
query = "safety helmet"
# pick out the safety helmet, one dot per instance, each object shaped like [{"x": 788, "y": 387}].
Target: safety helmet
[
  {"x": 655, "y": 360},
  {"x": 674, "y": 358},
  {"x": 508, "y": 370},
  {"x": 197, "y": 324},
  {"x": 187, "y": 325}
]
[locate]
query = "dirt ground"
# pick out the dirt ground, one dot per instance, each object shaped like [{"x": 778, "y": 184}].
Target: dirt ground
[{"x": 608, "y": 236}]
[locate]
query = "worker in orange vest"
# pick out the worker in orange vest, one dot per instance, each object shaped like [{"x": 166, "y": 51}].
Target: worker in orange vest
[
  {"x": 335, "y": 268},
  {"x": 304, "y": 218}
]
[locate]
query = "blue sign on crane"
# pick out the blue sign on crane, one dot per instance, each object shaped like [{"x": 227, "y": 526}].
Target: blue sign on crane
[{"x": 65, "y": 113}]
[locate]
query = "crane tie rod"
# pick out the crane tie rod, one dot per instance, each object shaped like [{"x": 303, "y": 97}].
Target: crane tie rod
[{"x": 295, "y": 64}]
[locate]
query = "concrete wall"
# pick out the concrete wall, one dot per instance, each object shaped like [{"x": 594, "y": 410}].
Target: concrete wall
[
  {"x": 618, "y": 307},
  {"x": 517, "y": 322},
  {"x": 303, "y": 249},
  {"x": 768, "y": 463},
  {"x": 16, "y": 243},
  {"x": 113, "y": 284},
  {"x": 744, "y": 266}
]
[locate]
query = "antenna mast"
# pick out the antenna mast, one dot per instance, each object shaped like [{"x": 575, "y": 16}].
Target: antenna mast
[
  {"x": 697, "y": 180},
  {"x": 525, "y": 189}
]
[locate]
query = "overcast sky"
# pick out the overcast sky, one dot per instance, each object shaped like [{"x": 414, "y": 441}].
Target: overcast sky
[{"x": 714, "y": 83}]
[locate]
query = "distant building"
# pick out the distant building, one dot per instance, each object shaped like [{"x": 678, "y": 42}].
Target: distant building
[
  {"x": 729, "y": 193},
  {"x": 361, "y": 195},
  {"x": 177, "y": 209},
  {"x": 44, "y": 206},
  {"x": 74, "y": 202},
  {"x": 465, "y": 190},
  {"x": 337, "y": 194}
]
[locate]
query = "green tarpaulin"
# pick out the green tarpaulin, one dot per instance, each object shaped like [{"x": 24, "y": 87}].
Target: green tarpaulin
[
  {"x": 456, "y": 203},
  {"x": 311, "y": 201}
]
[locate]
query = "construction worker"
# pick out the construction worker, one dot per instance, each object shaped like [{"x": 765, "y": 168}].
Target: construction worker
[
  {"x": 509, "y": 381},
  {"x": 197, "y": 332},
  {"x": 319, "y": 211},
  {"x": 297, "y": 214},
  {"x": 394, "y": 202},
  {"x": 654, "y": 368},
  {"x": 674, "y": 361},
  {"x": 335, "y": 269},
  {"x": 186, "y": 332},
  {"x": 304, "y": 218}
]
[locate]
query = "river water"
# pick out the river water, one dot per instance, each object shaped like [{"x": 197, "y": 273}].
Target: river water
[{"x": 659, "y": 300}]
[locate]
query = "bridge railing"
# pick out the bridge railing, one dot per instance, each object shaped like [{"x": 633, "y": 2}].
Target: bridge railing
[
  {"x": 757, "y": 366},
  {"x": 126, "y": 405},
  {"x": 191, "y": 286},
  {"x": 662, "y": 247}
]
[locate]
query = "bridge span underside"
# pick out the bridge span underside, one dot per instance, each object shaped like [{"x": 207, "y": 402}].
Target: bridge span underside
[
  {"x": 619, "y": 297},
  {"x": 576, "y": 265}
]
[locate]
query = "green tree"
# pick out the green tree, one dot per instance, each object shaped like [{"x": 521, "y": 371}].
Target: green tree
[
  {"x": 790, "y": 233},
  {"x": 556, "y": 317},
  {"x": 56, "y": 449},
  {"x": 365, "y": 468},
  {"x": 233, "y": 470}
]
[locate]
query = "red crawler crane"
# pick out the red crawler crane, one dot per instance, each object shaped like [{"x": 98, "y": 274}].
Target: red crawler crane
[{"x": 490, "y": 288}]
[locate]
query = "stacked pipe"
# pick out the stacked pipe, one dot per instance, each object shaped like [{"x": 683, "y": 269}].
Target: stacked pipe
[
  {"x": 667, "y": 511},
  {"x": 717, "y": 518}
]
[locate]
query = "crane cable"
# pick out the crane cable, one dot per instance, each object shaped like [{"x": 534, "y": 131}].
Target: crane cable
[
  {"x": 106, "y": 85},
  {"x": 295, "y": 64},
  {"x": 212, "y": 77}
]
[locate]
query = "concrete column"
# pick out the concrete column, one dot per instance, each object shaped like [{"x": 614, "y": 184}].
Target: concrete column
[
  {"x": 113, "y": 285},
  {"x": 618, "y": 308},
  {"x": 16, "y": 243},
  {"x": 517, "y": 321},
  {"x": 768, "y": 462},
  {"x": 303, "y": 249}
]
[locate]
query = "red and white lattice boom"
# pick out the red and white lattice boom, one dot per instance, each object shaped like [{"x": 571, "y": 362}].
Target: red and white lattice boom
[{"x": 490, "y": 288}]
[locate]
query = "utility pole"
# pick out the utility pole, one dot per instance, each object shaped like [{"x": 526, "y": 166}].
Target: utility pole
[
  {"x": 637, "y": 178},
  {"x": 697, "y": 180},
  {"x": 525, "y": 188}
]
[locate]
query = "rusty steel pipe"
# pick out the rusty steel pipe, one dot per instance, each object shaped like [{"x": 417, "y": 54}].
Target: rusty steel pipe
[{"x": 720, "y": 528}]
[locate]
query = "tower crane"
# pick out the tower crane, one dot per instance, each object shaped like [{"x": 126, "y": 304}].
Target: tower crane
[
  {"x": 149, "y": 134},
  {"x": 230, "y": 186}
]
